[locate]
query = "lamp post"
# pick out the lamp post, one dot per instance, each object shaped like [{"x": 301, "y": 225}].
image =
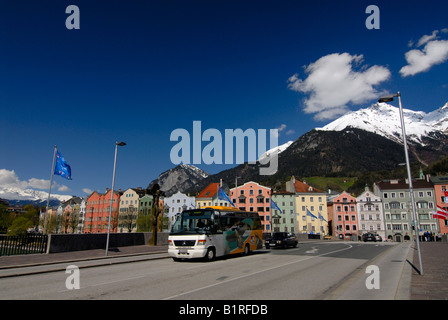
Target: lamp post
[
  {"x": 390, "y": 98},
  {"x": 112, "y": 193}
]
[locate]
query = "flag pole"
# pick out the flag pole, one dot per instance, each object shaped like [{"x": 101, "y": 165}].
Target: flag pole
[{"x": 49, "y": 191}]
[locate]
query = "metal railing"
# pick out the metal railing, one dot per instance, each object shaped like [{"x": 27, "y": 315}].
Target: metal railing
[{"x": 27, "y": 244}]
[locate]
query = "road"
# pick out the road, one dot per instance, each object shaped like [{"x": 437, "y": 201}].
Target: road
[{"x": 311, "y": 271}]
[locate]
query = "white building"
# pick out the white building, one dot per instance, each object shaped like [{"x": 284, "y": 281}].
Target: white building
[
  {"x": 370, "y": 214},
  {"x": 177, "y": 203},
  {"x": 82, "y": 215}
]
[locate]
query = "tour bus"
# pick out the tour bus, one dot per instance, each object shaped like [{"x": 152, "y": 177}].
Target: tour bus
[{"x": 214, "y": 231}]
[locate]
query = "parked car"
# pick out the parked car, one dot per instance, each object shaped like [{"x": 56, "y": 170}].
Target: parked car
[
  {"x": 369, "y": 237},
  {"x": 281, "y": 240},
  {"x": 378, "y": 237}
]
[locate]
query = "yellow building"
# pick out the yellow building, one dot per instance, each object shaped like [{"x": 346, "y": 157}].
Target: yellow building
[{"x": 311, "y": 208}]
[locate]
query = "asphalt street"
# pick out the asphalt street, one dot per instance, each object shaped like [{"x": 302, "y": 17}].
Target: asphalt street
[{"x": 314, "y": 270}]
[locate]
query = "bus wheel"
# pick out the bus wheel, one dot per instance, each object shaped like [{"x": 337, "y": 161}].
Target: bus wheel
[
  {"x": 246, "y": 250},
  {"x": 210, "y": 255}
]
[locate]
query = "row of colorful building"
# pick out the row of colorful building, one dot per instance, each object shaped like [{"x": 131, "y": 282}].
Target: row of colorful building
[{"x": 299, "y": 208}]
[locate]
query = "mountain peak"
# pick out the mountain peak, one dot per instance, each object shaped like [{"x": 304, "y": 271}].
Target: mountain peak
[
  {"x": 384, "y": 119},
  {"x": 180, "y": 178}
]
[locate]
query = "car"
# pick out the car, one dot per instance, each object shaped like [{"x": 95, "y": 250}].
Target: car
[
  {"x": 281, "y": 240},
  {"x": 378, "y": 238},
  {"x": 369, "y": 237}
]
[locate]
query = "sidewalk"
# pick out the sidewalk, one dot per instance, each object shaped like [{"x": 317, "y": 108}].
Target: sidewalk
[
  {"x": 52, "y": 258},
  {"x": 433, "y": 284}
]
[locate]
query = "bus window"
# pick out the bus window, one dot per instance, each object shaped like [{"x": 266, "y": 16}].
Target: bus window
[{"x": 193, "y": 222}]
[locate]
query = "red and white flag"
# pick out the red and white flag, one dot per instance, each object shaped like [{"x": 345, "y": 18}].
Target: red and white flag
[
  {"x": 442, "y": 213},
  {"x": 446, "y": 196}
]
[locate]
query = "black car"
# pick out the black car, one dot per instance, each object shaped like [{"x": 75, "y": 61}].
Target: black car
[
  {"x": 369, "y": 237},
  {"x": 281, "y": 240}
]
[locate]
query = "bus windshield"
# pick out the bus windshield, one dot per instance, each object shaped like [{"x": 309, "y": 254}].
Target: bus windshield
[{"x": 193, "y": 222}]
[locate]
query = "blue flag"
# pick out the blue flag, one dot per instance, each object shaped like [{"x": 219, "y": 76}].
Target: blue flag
[
  {"x": 62, "y": 168},
  {"x": 222, "y": 196},
  {"x": 321, "y": 217},
  {"x": 275, "y": 206},
  {"x": 308, "y": 213}
]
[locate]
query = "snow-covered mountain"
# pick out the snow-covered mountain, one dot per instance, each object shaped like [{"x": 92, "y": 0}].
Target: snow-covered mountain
[
  {"x": 14, "y": 194},
  {"x": 384, "y": 119},
  {"x": 278, "y": 149},
  {"x": 180, "y": 178}
]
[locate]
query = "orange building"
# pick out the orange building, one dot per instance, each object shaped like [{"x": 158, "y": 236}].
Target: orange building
[{"x": 97, "y": 212}]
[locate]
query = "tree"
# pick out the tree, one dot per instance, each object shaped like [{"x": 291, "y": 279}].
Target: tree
[
  {"x": 6, "y": 218},
  {"x": 19, "y": 226},
  {"x": 32, "y": 213},
  {"x": 155, "y": 212}
]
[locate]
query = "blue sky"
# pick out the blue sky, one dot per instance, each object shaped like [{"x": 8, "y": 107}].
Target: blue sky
[{"x": 137, "y": 70}]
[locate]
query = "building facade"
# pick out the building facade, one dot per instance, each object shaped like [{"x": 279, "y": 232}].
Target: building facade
[
  {"x": 72, "y": 216},
  {"x": 97, "y": 212},
  {"x": 370, "y": 214},
  {"x": 177, "y": 203},
  {"x": 254, "y": 197},
  {"x": 440, "y": 184},
  {"x": 129, "y": 209},
  {"x": 208, "y": 196},
  {"x": 311, "y": 207},
  {"x": 144, "y": 222},
  {"x": 345, "y": 216},
  {"x": 286, "y": 220},
  {"x": 397, "y": 208}
]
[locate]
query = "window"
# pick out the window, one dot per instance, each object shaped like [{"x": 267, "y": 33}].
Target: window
[{"x": 395, "y": 205}]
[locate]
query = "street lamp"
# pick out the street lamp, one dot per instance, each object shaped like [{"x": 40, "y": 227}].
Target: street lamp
[
  {"x": 390, "y": 98},
  {"x": 112, "y": 193}
]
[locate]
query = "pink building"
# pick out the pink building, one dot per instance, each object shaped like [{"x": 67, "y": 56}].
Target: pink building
[
  {"x": 440, "y": 187},
  {"x": 254, "y": 197},
  {"x": 345, "y": 216}
]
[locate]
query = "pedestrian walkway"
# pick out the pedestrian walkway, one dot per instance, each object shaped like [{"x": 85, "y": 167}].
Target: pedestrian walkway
[
  {"x": 41, "y": 259},
  {"x": 433, "y": 284}
]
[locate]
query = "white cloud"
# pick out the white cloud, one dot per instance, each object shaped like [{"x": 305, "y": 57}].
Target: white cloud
[
  {"x": 87, "y": 190},
  {"x": 63, "y": 188},
  {"x": 9, "y": 178},
  {"x": 281, "y": 128},
  {"x": 433, "y": 53},
  {"x": 333, "y": 83},
  {"x": 426, "y": 38},
  {"x": 38, "y": 183}
]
